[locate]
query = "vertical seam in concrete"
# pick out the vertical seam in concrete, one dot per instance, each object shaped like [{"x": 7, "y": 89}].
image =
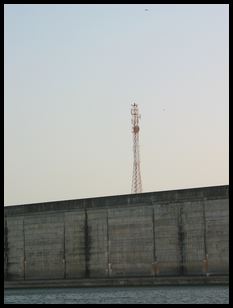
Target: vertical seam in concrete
[
  {"x": 108, "y": 257},
  {"x": 205, "y": 240},
  {"x": 153, "y": 225},
  {"x": 204, "y": 225},
  {"x": 5, "y": 249},
  {"x": 86, "y": 241},
  {"x": 24, "y": 257},
  {"x": 181, "y": 239},
  {"x": 64, "y": 245}
]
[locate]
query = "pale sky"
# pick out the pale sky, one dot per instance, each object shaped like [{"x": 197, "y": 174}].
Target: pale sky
[{"x": 71, "y": 74}]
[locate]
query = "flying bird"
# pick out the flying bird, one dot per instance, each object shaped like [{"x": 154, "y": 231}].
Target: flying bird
[{"x": 146, "y": 10}]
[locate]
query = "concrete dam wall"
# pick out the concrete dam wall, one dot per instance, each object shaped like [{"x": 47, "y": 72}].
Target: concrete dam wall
[{"x": 178, "y": 233}]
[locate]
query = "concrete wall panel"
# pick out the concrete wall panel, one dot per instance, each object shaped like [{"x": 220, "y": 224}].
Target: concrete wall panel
[
  {"x": 166, "y": 238},
  {"x": 130, "y": 241},
  {"x": 15, "y": 248},
  {"x": 75, "y": 244},
  {"x": 98, "y": 243},
  {"x": 44, "y": 246},
  {"x": 217, "y": 234},
  {"x": 194, "y": 237}
]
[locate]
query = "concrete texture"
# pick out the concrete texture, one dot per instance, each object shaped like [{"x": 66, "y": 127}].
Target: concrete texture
[{"x": 181, "y": 233}]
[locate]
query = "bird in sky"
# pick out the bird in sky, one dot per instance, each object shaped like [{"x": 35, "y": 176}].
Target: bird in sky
[{"x": 146, "y": 10}]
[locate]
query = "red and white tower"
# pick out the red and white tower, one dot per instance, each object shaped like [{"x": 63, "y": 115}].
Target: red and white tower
[{"x": 136, "y": 179}]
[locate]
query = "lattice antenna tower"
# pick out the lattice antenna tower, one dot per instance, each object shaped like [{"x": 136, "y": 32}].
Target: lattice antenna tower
[{"x": 136, "y": 179}]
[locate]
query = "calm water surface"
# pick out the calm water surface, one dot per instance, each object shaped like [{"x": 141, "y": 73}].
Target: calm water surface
[{"x": 123, "y": 295}]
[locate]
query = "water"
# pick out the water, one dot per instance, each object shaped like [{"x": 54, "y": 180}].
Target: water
[{"x": 122, "y": 295}]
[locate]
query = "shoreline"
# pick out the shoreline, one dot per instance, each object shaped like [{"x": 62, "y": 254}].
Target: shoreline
[{"x": 123, "y": 281}]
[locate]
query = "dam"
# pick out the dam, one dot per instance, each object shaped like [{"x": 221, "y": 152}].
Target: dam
[{"x": 154, "y": 238}]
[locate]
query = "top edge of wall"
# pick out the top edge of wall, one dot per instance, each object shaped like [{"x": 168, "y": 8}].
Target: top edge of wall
[{"x": 148, "y": 198}]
